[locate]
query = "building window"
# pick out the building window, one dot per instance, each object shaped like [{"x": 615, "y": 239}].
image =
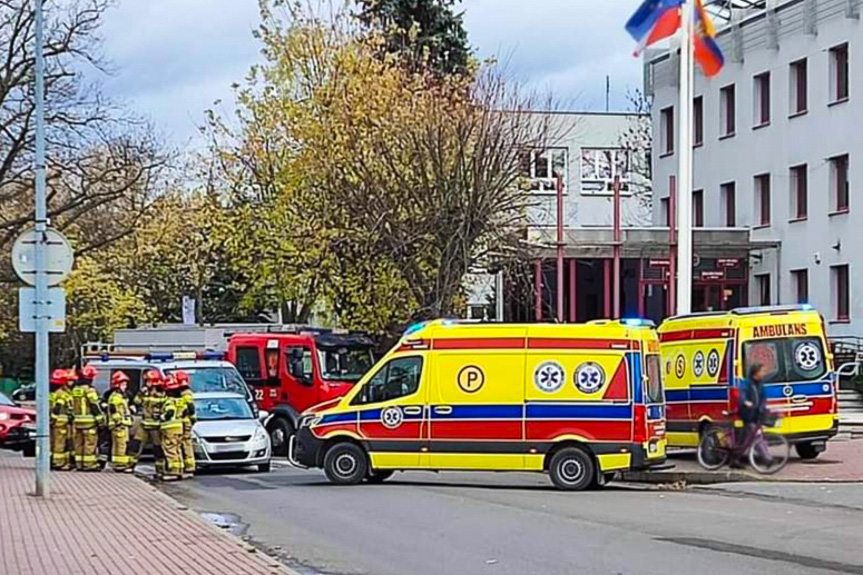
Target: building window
[
  {"x": 799, "y": 192},
  {"x": 761, "y": 99},
  {"x": 666, "y": 132},
  {"x": 762, "y": 284},
  {"x": 698, "y": 208},
  {"x": 727, "y": 120},
  {"x": 841, "y": 293},
  {"x": 665, "y": 212},
  {"x": 839, "y": 185},
  {"x": 729, "y": 204},
  {"x": 698, "y": 121},
  {"x": 599, "y": 167},
  {"x": 798, "y": 89},
  {"x": 762, "y": 200},
  {"x": 541, "y": 168},
  {"x": 800, "y": 283},
  {"x": 839, "y": 73}
]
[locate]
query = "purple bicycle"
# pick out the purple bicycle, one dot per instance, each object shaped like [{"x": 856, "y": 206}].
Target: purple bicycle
[{"x": 767, "y": 452}]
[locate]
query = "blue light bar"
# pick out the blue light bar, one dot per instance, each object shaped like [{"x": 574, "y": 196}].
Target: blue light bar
[
  {"x": 637, "y": 322},
  {"x": 160, "y": 356},
  {"x": 213, "y": 355},
  {"x": 414, "y": 328}
]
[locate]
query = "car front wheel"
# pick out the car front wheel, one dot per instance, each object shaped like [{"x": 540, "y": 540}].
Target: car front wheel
[
  {"x": 345, "y": 464},
  {"x": 571, "y": 469}
]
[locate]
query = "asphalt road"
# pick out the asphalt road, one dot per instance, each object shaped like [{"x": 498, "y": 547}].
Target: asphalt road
[{"x": 515, "y": 524}]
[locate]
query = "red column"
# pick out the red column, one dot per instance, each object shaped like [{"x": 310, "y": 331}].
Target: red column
[
  {"x": 606, "y": 269},
  {"x": 560, "y": 245},
  {"x": 617, "y": 239},
  {"x": 573, "y": 291},
  {"x": 537, "y": 289}
]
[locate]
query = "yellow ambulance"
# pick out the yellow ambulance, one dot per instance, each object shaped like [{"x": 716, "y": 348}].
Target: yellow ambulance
[
  {"x": 706, "y": 355},
  {"x": 580, "y": 402}
]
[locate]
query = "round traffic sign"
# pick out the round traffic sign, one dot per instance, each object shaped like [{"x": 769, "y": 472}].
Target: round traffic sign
[{"x": 58, "y": 257}]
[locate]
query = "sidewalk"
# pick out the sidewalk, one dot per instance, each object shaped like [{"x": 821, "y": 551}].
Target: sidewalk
[
  {"x": 109, "y": 523},
  {"x": 842, "y": 462}
]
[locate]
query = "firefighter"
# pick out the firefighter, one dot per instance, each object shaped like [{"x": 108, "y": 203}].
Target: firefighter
[
  {"x": 187, "y": 406},
  {"x": 150, "y": 400},
  {"x": 60, "y": 404},
  {"x": 87, "y": 417},
  {"x": 119, "y": 422},
  {"x": 171, "y": 430}
]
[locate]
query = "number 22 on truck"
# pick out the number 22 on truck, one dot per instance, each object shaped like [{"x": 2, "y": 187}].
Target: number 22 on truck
[{"x": 580, "y": 402}]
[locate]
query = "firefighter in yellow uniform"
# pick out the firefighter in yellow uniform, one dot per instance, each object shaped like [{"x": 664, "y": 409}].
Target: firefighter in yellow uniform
[
  {"x": 59, "y": 402},
  {"x": 86, "y": 418},
  {"x": 149, "y": 402},
  {"x": 119, "y": 422},
  {"x": 187, "y": 402},
  {"x": 171, "y": 431}
]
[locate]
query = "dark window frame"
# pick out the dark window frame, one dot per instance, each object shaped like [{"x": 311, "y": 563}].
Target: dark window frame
[
  {"x": 840, "y": 89},
  {"x": 763, "y": 199},
  {"x": 799, "y": 178},
  {"x": 730, "y": 201},
  {"x": 761, "y": 83},
  {"x": 801, "y": 285},
  {"x": 799, "y": 89}
]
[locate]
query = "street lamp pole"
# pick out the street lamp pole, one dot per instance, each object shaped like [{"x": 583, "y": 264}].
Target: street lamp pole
[{"x": 43, "y": 449}]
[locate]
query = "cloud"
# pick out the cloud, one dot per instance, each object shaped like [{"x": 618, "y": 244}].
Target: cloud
[{"x": 174, "y": 58}]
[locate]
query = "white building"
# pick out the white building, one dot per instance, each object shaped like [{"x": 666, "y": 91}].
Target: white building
[{"x": 777, "y": 146}]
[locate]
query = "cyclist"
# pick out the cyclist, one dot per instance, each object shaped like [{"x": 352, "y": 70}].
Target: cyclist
[{"x": 752, "y": 404}]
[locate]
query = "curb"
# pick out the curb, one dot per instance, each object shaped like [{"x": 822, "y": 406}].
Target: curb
[
  {"x": 275, "y": 564},
  {"x": 689, "y": 477}
]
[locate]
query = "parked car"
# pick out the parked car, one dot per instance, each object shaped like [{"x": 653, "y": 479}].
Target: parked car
[
  {"x": 17, "y": 427},
  {"x": 228, "y": 434}
]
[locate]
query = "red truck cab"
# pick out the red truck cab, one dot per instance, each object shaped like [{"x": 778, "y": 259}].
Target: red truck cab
[{"x": 292, "y": 371}]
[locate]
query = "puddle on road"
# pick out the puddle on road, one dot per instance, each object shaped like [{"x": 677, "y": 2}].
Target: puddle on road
[{"x": 230, "y": 522}]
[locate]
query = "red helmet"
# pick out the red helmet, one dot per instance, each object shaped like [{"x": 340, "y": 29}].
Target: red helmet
[
  {"x": 59, "y": 377},
  {"x": 182, "y": 378},
  {"x": 119, "y": 378},
  {"x": 153, "y": 377},
  {"x": 89, "y": 373},
  {"x": 171, "y": 383}
]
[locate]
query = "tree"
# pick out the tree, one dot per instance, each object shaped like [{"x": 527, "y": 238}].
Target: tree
[
  {"x": 424, "y": 32},
  {"x": 637, "y": 141},
  {"x": 389, "y": 183}
]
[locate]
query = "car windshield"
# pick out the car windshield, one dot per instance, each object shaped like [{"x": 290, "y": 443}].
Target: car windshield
[
  {"x": 6, "y": 401},
  {"x": 786, "y": 359},
  {"x": 222, "y": 408},
  {"x": 214, "y": 379},
  {"x": 345, "y": 363}
]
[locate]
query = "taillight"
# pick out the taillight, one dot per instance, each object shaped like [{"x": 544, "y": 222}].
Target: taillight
[
  {"x": 733, "y": 398},
  {"x": 639, "y": 432}
]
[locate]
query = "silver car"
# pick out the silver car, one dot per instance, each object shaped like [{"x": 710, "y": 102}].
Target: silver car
[{"x": 228, "y": 433}]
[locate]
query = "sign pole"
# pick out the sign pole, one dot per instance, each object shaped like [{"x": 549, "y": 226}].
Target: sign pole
[
  {"x": 684, "y": 183},
  {"x": 43, "y": 449}
]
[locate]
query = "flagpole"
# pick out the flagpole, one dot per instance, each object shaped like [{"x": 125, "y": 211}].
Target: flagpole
[{"x": 684, "y": 180}]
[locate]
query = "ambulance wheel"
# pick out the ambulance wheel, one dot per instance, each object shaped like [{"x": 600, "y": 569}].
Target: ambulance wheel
[
  {"x": 376, "y": 477},
  {"x": 345, "y": 464},
  {"x": 806, "y": 451},
  {"x": 571, "y": 469}
]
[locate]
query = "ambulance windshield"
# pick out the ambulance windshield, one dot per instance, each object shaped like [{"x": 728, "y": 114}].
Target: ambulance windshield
[{"x": 786, "y": 359}]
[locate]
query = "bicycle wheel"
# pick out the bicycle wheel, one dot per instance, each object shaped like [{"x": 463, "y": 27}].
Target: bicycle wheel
[
  {"x": 769, "y": 453},
  {"x": 713, "y": 449}
]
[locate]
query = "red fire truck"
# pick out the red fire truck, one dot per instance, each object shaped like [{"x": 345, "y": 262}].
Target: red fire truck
[{"x": 292, "y": 368}]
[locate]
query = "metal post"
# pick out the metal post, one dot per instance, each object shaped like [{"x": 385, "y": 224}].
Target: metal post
[
  {"x": 43, "y": 450},
  {"x": 498, "y": 296},
  {"x": 672, "y": 246},
  {"x": 560, "y": 244},
  {"x": 606, "y": 293},
  {"x": 684, "y": 196},
  {"x": 573, "y": 291},
  {"x": 617, "y": 237}
]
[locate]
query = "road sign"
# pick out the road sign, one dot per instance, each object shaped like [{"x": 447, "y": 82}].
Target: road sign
[
  {"x": 54, "y": 309},
  {"x": 58, "y": 257}
]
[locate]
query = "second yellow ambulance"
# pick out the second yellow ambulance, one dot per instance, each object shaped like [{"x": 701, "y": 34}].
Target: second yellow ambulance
[
  {"x": 580, "y": 402},
  {"x": 705, "y": 357}
]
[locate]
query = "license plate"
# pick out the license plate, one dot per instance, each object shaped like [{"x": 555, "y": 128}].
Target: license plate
[{"x": 222, "y": 447}]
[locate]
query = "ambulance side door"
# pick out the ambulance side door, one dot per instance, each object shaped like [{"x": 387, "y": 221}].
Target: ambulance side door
[{"x": 391, "y": 408}]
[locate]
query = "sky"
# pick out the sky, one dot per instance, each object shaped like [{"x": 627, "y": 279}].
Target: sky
[{"x": 172, "y": 59}]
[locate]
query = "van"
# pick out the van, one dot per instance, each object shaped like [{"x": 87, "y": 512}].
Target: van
[
  {"x": 579, "y": 402},
  {"x": 706, "y": 355}
]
